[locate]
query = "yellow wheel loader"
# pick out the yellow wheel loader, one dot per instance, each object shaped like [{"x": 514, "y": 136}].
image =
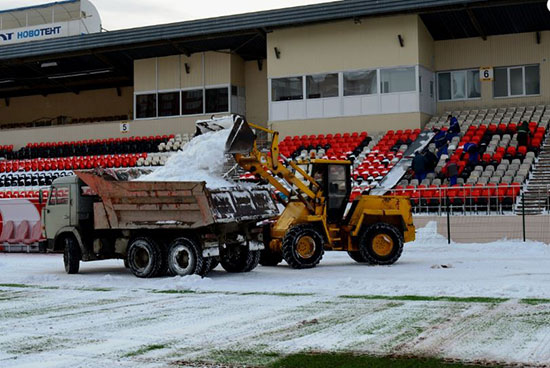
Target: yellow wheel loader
[{"x": 317, "y": 214}]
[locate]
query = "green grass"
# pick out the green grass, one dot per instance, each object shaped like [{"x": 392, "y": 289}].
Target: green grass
[
  {"x": 144, "y": 349},
  {"x": 242, "y": 357},
  {"x": 420, "y": 298},
  {"x": 535, "y": 301},
  {"x": 359, "y": 361},
  {"x": 15, "y": 286}
]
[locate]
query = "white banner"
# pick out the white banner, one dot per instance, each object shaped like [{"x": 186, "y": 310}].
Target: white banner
[{"x": 35, "y": 33}]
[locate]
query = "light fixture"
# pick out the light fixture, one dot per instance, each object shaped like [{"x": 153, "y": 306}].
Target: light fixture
[
  {"x": 277, "y": 52},
  {"x": 187, "y": 68},
  {"x": 80, "y": 74},
  {"x": 49, "y": 64},
  {"x": 6, "y": 81},
  {"x": 401, "y": 40}
]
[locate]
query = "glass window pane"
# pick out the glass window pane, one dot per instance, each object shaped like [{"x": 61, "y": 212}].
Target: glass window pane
[
  {"x": 169, "y": 104},
  {"x": 191, "y": 102},
  {"x": 322, "y": 85},
  {"x": 474, "y": 84},
  {"x": 146, "y": 106},
  {"x": 532, "y": 80},
  {"x": 360, "y": 83},
  {"x": 500, "y": 85},
  {"x": 217, "y": 100},
  {"x": 459, "y": 85},
  {"x": 286, "y": 89},
  {"x": 444, "y": 86},
  {"x": 398, "y": 80},
  {"x": 516, "y": 81}
]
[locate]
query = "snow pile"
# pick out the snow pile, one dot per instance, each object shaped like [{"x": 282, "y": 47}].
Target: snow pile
[{"x": 202, "y": 159}]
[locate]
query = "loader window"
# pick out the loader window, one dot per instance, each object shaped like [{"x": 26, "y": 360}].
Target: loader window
[{"x": 338, "y": 191}]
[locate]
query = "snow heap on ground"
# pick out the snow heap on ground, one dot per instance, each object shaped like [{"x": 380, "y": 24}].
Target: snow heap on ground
[{"x": 202, "y": 159}]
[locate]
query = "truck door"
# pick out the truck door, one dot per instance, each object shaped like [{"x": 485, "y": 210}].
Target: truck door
[
  {"x": 339, "y": 187},
  {"x": 58, "y": 210}
]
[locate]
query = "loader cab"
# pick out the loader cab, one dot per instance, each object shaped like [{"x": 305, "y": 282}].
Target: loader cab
[{"x": 334, "y": 178}]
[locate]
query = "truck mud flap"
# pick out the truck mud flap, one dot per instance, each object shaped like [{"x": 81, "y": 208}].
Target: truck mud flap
[{"x": 242, "y": 204}]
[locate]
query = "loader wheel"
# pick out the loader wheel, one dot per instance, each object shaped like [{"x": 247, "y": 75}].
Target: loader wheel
[
  {"x": 270, "y": 258},
  {"x": 357, "y": 257},
  {"x": 303, "y": 246},
  {"x": 71, "y": 255},
  {"x": 144, "y": 257},
  {"x": 239, "y": 258},
  {"x": 185, "y": 258},
  {"x": 381, "y": 244}
]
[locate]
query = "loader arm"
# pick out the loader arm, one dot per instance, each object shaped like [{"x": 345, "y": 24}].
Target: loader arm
[{"x": 267, "y": 166}]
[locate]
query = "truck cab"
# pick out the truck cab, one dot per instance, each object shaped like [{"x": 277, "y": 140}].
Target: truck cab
[{"x": 66, "y": 211}]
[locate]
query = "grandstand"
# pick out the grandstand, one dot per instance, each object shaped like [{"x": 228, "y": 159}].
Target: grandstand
[{"x": 362, "y": 80}]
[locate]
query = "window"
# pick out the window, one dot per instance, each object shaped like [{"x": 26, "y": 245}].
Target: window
[
  {"x": 217, "y": 100},
  {"x": 322, "y": 85},
  {"x": 286, "y": 89},
  {"x": 517, "y": 81},
  {"x": 360, "y": 83},
  {"x": 459, "y": 85},
  {"x": 192, "y": 102},
  {"x": 59, "y": 196},
  {"x": 169, "y": 104},
  {"x": 146, "y": 106},
  {"x": 398, "y": 80}
]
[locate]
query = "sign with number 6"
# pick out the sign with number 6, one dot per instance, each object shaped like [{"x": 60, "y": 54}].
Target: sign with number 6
[{"x": 486, "y": 74}]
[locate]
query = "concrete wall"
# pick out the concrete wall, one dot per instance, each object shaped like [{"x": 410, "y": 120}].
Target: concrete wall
[
  {"x": 504, "y": 50},
  {"x": 256, "y": 93},
  {"x": 488, "y": 229},
  {"x": 343, "y": 45},
  {"x": 87, "y": 104},
  {"x": 371, "y": 124}
]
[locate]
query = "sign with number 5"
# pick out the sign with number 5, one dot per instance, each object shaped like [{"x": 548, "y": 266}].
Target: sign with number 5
[
  {"x": 124, "y": 127},
  {"x": 486, "y": 74}
]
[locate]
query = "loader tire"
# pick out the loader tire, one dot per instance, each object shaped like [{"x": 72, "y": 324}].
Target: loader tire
[
  {"x": 381, "y": 244},
  {"x": 303, "y": 246},
  {"x": 184, "y": 257},
  {"x": 357, "y": 257},
  {"x": 71, "y": 255},
  {"x": 144, "y": 257},
  {"x": 270, "y": 258},
  {"x": 238, "y": 258}
]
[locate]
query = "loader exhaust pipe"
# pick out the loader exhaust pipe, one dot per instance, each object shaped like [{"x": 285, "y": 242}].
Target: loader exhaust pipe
[{"x": 241, "y": 139}]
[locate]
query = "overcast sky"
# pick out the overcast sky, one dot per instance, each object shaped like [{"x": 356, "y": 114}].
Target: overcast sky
[{"x": 117, "y": 14}]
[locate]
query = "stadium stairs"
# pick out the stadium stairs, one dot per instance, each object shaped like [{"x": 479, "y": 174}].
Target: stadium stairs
[{"x": 536, "y": 194}]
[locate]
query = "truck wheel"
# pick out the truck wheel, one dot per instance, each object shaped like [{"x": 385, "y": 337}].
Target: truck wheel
[
  {"x": 270, "y": 258},
  {"x": 185, "y": 258},
  {"x": 381, "y": 244},
  {"x": 71, "y": 255},
  {"x": 238, "y": 258},
  {"x": 303, "y": 246},
  {"x": 357, "y": 257},
  {"x": 144, "y": 257}
]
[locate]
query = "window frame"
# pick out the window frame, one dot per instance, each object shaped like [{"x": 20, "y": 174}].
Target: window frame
[
  {"x": 145, "y": 93},
  {"x": 509, "y": 83},
  {"x": 381, "y": 89},
  {"x": 178, "y": 91},
  {"x": 376, "y": 83},
  {"x": 302, "y": 83},
  {"x": 466, "y": 85}
]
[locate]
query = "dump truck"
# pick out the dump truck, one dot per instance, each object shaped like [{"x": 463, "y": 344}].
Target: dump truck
[
  {"x": 157, "y": 228},
  {"x": 317, "y": 214}
]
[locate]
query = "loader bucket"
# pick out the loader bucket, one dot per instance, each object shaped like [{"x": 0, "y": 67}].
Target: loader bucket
[{"x": 241, "y": 139}]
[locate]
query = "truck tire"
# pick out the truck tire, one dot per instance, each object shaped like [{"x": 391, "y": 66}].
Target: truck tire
[
  {"x": 71, "y": 254},
  {"x": 239, "y": 258},
  {"x": 303, "y": 246},
  {"x": 185, "y": 258},
  {"x": 381, "y": 244},
  {"x": 144, "y": 257},
  {"x": 357, "y": 257},
  {"x": 270, "y": 258}
]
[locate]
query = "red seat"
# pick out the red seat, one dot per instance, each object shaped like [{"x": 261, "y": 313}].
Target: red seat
[
  {"x": 7, "y": 231},
  {"x": 35, "y": 234},
  {"x": 21, "y": 233}
]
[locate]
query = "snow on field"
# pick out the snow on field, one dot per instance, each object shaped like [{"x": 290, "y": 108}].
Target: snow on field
[
  {"x": 202, "y": 159},
  {"x": 104, "y": 316}
]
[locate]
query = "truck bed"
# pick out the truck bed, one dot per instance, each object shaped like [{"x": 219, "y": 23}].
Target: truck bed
[{"x": 173, "y": 205}]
